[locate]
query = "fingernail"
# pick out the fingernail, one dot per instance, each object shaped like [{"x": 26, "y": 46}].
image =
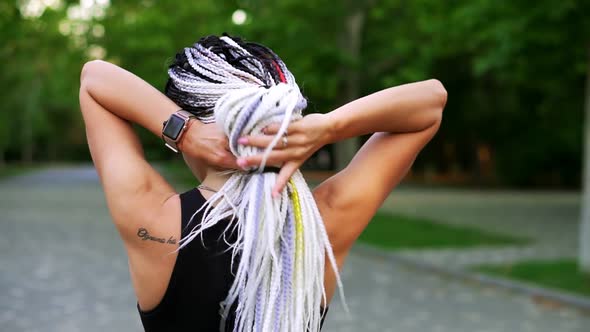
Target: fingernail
[
  {"x": 241, "y": 162},
  {"x": 242, "y": 140}
]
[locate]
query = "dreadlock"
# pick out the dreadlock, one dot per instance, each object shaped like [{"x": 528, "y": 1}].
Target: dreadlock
[{"x": 281, "y": 242}]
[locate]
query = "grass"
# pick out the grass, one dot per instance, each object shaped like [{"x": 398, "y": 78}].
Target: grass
[
  {"x": 559, "y": 274},
  {"x": 396, "y": 232}
]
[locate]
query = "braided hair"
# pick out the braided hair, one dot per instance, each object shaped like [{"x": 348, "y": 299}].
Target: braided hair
[{"x": 281, "y": 242}]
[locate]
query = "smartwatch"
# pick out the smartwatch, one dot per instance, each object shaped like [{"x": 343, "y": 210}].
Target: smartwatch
[{"x": 174, "y": 128}]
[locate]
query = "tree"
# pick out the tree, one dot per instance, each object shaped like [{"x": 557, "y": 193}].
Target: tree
[
  {"x": 39, "y": 83},
  {"x": 514, "y": 71},
  {"x": 584, "y": 259}
]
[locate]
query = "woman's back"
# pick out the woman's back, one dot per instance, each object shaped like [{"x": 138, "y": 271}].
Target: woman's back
[{"x": 200, "y": 279}]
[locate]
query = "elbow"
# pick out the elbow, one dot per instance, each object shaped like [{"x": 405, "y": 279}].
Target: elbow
[
  {"x": 439, "y": 100},
  {"x": 439, "y": 93},
  {"x": 90, "y": 71},
  {"x": 437, "y": 96}
]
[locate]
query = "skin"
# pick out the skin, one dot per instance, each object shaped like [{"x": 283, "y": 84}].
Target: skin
[{"x": 146, "y": 209}]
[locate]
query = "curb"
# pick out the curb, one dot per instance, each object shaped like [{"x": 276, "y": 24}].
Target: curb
[{"x": 538, "y": 294}]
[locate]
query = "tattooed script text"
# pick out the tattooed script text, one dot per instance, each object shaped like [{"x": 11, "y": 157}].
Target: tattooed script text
[{"x": 145, "y": 235}]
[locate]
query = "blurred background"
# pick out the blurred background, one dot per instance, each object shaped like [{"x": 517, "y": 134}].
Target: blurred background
[{"x": 499, "y": 192}]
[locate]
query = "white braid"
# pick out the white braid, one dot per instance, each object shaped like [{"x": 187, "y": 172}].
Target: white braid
[{"x": 281, "y": 242}]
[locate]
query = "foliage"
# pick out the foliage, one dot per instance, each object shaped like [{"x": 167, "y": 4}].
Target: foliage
[
  {"x": 38, "y": 86},
  {"x": 397, "y": 232},
  {"x": 560, "y": 274},
  {"x": 515, "y": 71}
]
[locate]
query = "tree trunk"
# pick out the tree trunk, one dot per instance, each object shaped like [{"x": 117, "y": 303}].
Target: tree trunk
[
  {"x": 584, "y": 259},
  {"x": 351, "y": 46},
  {"x": 28, "y": 135},
  {"x": 52, "y": 147}
]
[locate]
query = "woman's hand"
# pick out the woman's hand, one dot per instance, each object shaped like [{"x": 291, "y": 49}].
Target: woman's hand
[
  {"x": 207, "y": 142},
  {"x": 304, "y": 138}
]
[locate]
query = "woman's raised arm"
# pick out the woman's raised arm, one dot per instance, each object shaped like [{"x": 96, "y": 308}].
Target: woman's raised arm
[
  {"x": 402, "y": 109},
  {"x": 131, "y": 98},
  {"x": 112, "y": 98},
  {"x": 408, "y": 108}
]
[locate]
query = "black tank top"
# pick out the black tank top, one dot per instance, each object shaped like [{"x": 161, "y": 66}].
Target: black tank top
[{"x": 200, "y": 280}]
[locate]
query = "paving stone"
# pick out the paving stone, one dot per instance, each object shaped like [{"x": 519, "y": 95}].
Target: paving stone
[{"x": 63, "y": 268}]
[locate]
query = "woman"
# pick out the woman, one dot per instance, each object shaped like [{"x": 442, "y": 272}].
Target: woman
[{"x": 220, "y": 79}]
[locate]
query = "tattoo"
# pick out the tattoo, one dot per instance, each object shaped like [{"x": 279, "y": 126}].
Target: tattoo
[{"x": 145, "y": 235}]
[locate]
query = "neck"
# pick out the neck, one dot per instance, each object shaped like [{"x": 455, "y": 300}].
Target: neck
[{"x": 215, "y": 179}]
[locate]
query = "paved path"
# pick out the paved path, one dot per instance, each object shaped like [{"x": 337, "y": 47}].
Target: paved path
[
  {"x": 63, "y": 268},
  {"x": 550, "y": 219}
]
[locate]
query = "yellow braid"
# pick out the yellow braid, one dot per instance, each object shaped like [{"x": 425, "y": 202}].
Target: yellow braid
[{"x": 298, "y": 223}]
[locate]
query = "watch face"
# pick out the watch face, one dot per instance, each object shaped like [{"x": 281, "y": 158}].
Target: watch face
[{"x": 173, "y": 127}]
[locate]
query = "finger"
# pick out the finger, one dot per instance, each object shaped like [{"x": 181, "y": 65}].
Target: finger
[
  {"x": 273, "y": 128},
  {"x": 274, "y": 158},
  {"x": 284, "y": 175},
  {"x": 263, "y": 141}
]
